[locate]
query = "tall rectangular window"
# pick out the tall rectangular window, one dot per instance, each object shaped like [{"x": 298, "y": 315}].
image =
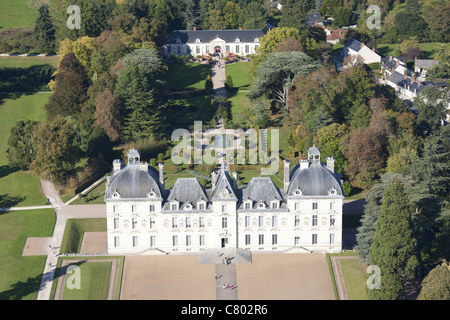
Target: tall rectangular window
[
  {"x": 202, "y": 240},
  {"x": 237, "y": 48},
  {"x": 134, "y": 223},
  {"x": 116, "y": 242},
  {"x": 201, "y": 206},
  {"x": 247, "y": 205},
  {"x": 197, "y": 49},
  {"x": 260, "y": 221},
  {"x": 314, "y": 205},
  {"x": 297, "y": 206},
  {"x": 224, "y": 223},
  {"x": 297, "y": 221},
  {"x": 201, "y": 222},
  {"x": 331, "y": 205},
  {"x": 152, "y": 241},
  {"x": 274, "y": 221},
  {"x": 314, "y": 238},
  {"x": 331, "y": 238},
  {"x": 247, "y": 221},
  {"x": 247, "y": 48},
  {"x": 133, "y": 208},
  {"x": 261, "y": 239},
  {"x": 151, "y": 223},
  {"x": 188, "y": 222},
  {"x": 224, "y": 208},
  {"x": 174, "y": 241},
  {"x": 174, "y": 222},
  {"x": 116, "y": 223},
  {"x": 135, "y": 241},
  {"x": 115, "y": 208},
  {"x": 174, "y": 206},
  {"x": 188, "y": 241},
  {"x": 274, "y": 205},
  {"x": 247, "y": 239},
  {"x": 151, "y": 208},
  {"x": 227, "y": 48},
  {"x": 332, "y": 220},
  {"x": 314, "y": 220},
  {"x": 274, "y": 239},
  {"x": 296, "y": 240}
]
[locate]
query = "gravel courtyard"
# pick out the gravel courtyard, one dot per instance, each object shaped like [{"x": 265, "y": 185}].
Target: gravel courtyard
[{"x": 269, "y": 276}]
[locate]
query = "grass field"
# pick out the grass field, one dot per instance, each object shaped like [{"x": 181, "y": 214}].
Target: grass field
[
  {"x": 21, "y": 276},
  {"x": 19, "y": 188},
  {"x": 355, "y": 278},
  {"x": 94, "y": 282},
  {"x": 26, "y": 62},
  {"x": 429, "y": 49},
  {"x": 186, "y": 75},
  {"x": 242, "y": 78},
  {"x": 17, "y": 14},
  {"x": 75, "y": 229}
]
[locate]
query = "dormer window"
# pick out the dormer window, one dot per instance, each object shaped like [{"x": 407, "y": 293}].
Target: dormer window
[
  {"x": 332, "y": 191},
  {"x": 178, "y": 40},
  {"x": 197, "y": 40},
  {"x": 116, "y": 194},
  {"x": 225, "y": 192},
  {"x": 275, "y": 204},
  {"x": 174, "y": 205},
  {"x": 188, "y": 206},
  {"x": 237, "y": 40},
  {"x": 297, "y": 192},
  {"x": 151, "y": 194},
  {"x": 248, "y": 204},
  {"x": 261, "y": 205},
  {"x": 256, "y": 40}
]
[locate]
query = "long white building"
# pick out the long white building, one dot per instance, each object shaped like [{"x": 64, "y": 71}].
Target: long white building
[
  {"x": 221, "y": 42},
  {"x": 143, "y": 217}
]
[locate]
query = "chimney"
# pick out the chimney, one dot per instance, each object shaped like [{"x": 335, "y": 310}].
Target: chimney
[
  {"x": 161, "y": 174},
  {"x": 373, "y": 49},
  {"x": 117, "y": 165},
  {"x": 304, "y": 164},
  {"x": 330, "y": 163},
  {"x": 390, "y": 58},
  {"x": 362, "y": 45},
  {"x": 240, "y": 28},
  {"x": 213, "y": 179},
  {"x": 194, "y": 28},
  {"x": 286, "y": 174},
  {"x": 235, "y": 179}
]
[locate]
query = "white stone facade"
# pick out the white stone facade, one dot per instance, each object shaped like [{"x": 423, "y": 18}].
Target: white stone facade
[{"x": 143, "y": 217}]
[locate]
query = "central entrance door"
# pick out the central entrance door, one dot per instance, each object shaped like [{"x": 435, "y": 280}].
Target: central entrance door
[{"x": 224, "y": 242}]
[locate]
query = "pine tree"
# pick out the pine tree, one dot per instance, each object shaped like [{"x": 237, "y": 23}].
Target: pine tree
[
  {"x": 394, "y": 248},
  {"x": 44, "y": 31}
]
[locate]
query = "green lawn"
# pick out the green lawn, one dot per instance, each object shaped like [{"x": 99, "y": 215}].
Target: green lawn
[
  {"x": 17, "y": 14},
  {"x": 94, "y": 196},
  {"x": 429, "y": 49},
  {"x": 186, "y": 75},
  {"x": 185, "y": 110},
  {"x": 94, "y": 281},
  {"x": 26, "y": 62},
  {"x": 355, "y": 278},
  {"x": 239, "y": 102},
  {"x": 239, "y": 73},
  {"x": 21, "y": 276},
  {"x": 17, "y": 187},
  {"x": 75, "y": 229}
]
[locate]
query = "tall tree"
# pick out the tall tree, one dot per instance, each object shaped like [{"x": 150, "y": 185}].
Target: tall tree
[
  {"x": 71, "y": 87},
  {"x": 394, "y": 248},
  {"x": 57, "y": 147},
  {"x": 436, "y": 285},
  {"x": 44, "y": 31},
  {"x": 294, "y": 14},
  {"x": 432, "y": 107},
  {"x": 143, "y": 106},
  {"x": 20, "y": 152},
  {"x": 276, "y": 74},
  {"x": 107, "y": 113}
]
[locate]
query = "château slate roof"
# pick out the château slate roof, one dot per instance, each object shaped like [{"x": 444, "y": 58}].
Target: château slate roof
[
  {"x": 205, "y": 36},
  {"x": 187, "y": 190},
  {"x": 316, "y": 180},
  {"x": 133, "y": 182},
  {"x": 261, "y": 189}
]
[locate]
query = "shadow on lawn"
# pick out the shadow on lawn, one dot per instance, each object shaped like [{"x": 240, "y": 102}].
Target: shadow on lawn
[
  {"x": 7, "y": 201},
  {"x": 7, "y": 170},
  {"x": 31, "y": 79}
]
